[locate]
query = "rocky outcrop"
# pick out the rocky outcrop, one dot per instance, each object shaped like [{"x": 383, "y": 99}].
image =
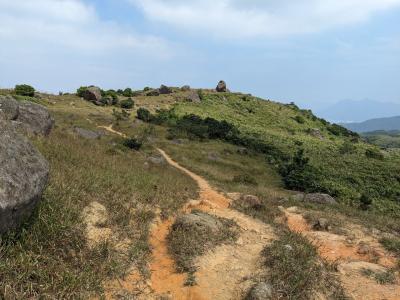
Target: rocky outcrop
[
  {"x": 193, "y": 96},
  {"x": 93, "y": 94},
  {"x": 251, "y": 200},
  {"x": 23, "y": 177},
  {"x": 27, "y": 116},
  {"x": 155, "y": 92},
  {"x": 86, "y": 133},
  {"x": 185, "y": 88},
  {"x": 315, "y": 198},
  {"x": 165, "y": 90},
  {"x": 199, "y": 221},
  {"x": 315, "y": 132},
  {"x": 34, "y": 119},
  {"x": 221, "y": 87},
  {"x": 9, "y": 106}
]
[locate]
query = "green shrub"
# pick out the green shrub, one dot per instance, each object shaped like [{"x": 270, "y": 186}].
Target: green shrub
[
  {"x": 391, "y": 244},
  {"x": 24, "y": 90},
  {"x": 120, "y": 115},
  {"x": 144, "y": 114},
  {"x": 127, "y": 103},
  {"x": 112, "y": 94},
  {"x": 81, "y": 91},
  {"x": 365, "y": 202},
  {"x": 132, "y": 143},
  {"x": 128, "y": 92},
  {"x": 374, "y": 153},
  {"x": 299, "y": 119},
  {"x": 347, "y": 148},
  {"x": 338, "y": 130},
  {"x": 299, "y": 174},
  {"x": 245, "y": 179}
]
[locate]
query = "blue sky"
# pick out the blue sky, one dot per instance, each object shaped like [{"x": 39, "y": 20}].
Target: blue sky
[{"x": 312, "y": 52}]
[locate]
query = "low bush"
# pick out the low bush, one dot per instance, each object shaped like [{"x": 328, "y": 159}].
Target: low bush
[
  {"x": 127, "y": 103},
  {"x": 295, "y": 270},
  {"x": 81, "y": 91},
  {"x": 365, "y": 202},
  {"x": 132, "y": 143},
  {"x": 245, "y": 179},
  {"x": 127, "y": 92},
  {"x": 144, "y": 114},
  {"x": 391, "y": 244},
  {"x": 347, "y": 148},
  {"x": 24, "y": 90},
  {"x": 120, "y": 115},
  {"x": 299, "y": 119},
  {"x": 374, "y": 153}
]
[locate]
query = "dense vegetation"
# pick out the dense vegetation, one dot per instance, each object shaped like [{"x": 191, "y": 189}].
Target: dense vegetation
[
  {"x": 24, "y": 90},
  {"x": 310, "y": 153},
  {"x": 384, "y": 139}
]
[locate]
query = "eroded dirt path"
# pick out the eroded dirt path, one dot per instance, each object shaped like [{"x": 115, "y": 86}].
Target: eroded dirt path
[
  {"x": 222, "y": 273},
  {"x": 353, "y": 255}
]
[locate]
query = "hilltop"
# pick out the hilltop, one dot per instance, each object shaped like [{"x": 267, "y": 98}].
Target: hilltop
[{"x": 180, "y": 192}]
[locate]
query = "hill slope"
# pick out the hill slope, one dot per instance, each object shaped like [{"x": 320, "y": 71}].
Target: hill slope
[
  {"x": 107, "y": 224},
  {"x": 342, "y": 166},
  {"x": 387, "y": 124}
]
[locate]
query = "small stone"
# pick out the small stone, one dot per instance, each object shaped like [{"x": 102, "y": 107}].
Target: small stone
[{"x": 364, "y": 248}]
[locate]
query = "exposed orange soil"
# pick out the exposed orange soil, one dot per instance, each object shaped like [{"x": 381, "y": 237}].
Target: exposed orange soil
[
  {"x": 351, "y": 261},
  {"x": 222, "y": 273}
]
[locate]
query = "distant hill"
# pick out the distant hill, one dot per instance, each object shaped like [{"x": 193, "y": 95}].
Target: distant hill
[
  {"x": 385, "y": 124},
  {"x": 359, "y": 111},
  {"x": 384, "y": 139}
]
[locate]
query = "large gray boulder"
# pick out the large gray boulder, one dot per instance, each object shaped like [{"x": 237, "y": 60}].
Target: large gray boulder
[
  {"x": 10, "y": 107},
  {"x": 221, "y": 87},
  {"x": 27, "y": 116},
  {"x": 193, "y": 96},
  {"x": 23, "y": 177},
  {"x": 34, "y": 119},
  {"x": 93, "y": 94}
]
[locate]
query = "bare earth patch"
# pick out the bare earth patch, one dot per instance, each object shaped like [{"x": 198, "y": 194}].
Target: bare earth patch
[
  {"x": 95, "y": 217},
  {"x": 353, "y": 254},
  {"x": 222, "y": 273}
]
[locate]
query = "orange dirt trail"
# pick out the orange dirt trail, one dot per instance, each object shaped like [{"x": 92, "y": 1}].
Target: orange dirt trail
[{"x": 351, "y": 261}]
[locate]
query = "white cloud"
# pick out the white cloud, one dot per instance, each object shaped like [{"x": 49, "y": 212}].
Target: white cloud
[
  {"x": 64, "y": 43},
  {"x": 69, "y": 23},
  {"x": 255, "y": 18}
]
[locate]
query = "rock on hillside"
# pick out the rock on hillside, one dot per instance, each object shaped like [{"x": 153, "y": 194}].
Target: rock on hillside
[
  {"x": 9, "y": 106},
  {"x": 32, "y": 118},
  {"x": 93, "y": 94},
  {"x": 165, "y": 90},
  {"x": 221, "y": 87},
  {"x": 23, "y": 177}
]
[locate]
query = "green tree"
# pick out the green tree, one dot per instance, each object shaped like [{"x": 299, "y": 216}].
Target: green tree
[{"x": 24, "y": 90}]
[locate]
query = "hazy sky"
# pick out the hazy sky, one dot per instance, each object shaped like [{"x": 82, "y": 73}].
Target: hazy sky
[{"x": 312, "y": 52}]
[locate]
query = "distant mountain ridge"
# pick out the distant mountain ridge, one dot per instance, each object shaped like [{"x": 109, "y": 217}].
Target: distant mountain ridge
[
  {"x": 359, "y": 111},
  {"x": 386, "y": 124}
]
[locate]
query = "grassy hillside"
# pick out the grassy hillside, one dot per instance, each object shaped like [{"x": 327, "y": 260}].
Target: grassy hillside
[
  {"x": 345, "y": 167},
  {"x": 384, "y": 139},
  {"x": 50, "y": 257}
]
